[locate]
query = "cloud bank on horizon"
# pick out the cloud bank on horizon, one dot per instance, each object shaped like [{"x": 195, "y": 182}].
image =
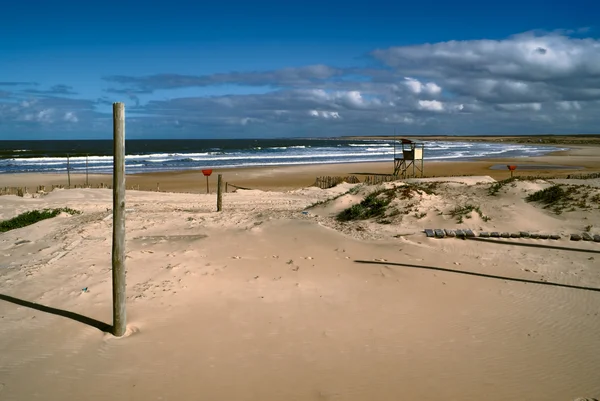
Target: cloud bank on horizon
[{"x": 532, "y": 82}]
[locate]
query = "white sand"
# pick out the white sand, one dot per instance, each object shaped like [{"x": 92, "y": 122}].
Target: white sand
[{"x": 263, "y": 302}]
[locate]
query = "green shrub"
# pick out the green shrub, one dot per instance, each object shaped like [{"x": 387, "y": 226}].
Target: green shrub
[
  {"x": 32, "y": 217},
  {"x": 497, "y": 186},
  {"x": 464, "y": 212},
  {"x": 373, "y": 205},
  {"x": 548, "y": 196},
  {"x": 376, "y": 203}
]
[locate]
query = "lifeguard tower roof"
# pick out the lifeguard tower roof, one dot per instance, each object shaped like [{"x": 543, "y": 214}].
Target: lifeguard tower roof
[{"x": 407, "y": 141}]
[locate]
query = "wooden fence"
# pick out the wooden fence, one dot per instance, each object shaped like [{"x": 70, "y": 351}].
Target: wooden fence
[
  {"x": 330, "y": 182},
  {"x": 380, "y": 179},
  {"x": 40, "y": 189}
]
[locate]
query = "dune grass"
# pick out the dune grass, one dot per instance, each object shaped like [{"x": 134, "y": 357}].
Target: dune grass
[
  {"x": 566, "y": 197},
  {"x": 373, "y": 205},
  {"x": 376, "y": 203},
  {"x": 464, "y": 212},
  {"x": 32, "y": 217}
]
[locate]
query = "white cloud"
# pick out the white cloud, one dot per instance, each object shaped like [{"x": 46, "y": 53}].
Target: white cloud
[
  {"x": 432, "y": 88},
  {"x": 431, "y": 105},
  {"x": 399, "y": 119},
  {"x": 418, "y": 87},
  {"x": 70, "y": 117},
  {"x": 28, "y": 103},
  {"x": 354, "y": 98},
  {"x": 248, "y": 120},
  {"x": 414, "y": 85},
  {"x": 524, "y": 68},
  {"x": 568, "y": 106},
  {"x": 325, "y": 114},
  {"x": 525, "y": 55}
]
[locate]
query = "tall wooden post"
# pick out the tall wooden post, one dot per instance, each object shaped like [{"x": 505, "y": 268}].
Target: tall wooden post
[
  {"x": 69, "y": 171},
  {"x": 219, "y": 193},
  {"x": 118, "y": 247}
]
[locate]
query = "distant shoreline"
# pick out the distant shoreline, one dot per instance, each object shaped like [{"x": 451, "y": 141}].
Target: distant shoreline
[
  {"x": 579, "y": 139},
  {"x": 526, "y": 138}
]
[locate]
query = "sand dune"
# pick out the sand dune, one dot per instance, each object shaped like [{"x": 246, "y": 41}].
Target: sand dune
[{"x": 266, "y": 300}]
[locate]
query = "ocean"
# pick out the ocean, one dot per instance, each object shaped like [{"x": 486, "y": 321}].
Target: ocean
[{"x": 170, "y": 155}]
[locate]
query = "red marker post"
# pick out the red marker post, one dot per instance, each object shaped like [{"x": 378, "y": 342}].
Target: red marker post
[
  {"x": 207, "y": 174},
  {"x": 511, "y": 168}
]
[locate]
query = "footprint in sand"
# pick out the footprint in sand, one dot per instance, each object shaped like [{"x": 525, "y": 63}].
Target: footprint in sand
[
  {"x": 236, "y": 257},
  {"x": 380, "y": 260}
]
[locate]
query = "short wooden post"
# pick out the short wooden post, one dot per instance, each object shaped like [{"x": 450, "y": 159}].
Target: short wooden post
[
  {"x": 157, "y": 187},
  {"x": 69, "y": 171},
  {"x": 207, "y": 188},
  {"x": 226, "y": 187},
  {"x": 118, "y": 245},
  {"x": 219, "y": 193}
]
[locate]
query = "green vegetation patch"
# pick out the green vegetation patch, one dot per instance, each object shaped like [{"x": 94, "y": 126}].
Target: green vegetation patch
[
  {"x": 32, "y": 217},
  {"x": 373, "y": 205},
  {"x": 376, "y": 204},
  {"x": 566, "y": 197},
  {"x": 497, "y": 186},
  {"x": 464, "y": 212},
  {"x": 549, "y": 196}
]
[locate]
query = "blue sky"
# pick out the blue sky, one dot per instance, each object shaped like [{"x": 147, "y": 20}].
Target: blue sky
[{"x": 266, "y": 68}]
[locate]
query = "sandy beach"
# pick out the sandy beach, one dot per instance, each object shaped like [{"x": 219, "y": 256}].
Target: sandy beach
[{"x": 275, "y": 299}]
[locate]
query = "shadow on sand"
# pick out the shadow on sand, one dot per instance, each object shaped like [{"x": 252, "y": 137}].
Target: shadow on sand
[
  {"x": 59, "y": 312},
  {"x": 468, "y": 273}
]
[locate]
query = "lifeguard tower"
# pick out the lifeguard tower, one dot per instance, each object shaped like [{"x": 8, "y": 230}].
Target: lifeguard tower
[{"x": 410, "y": 162}]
